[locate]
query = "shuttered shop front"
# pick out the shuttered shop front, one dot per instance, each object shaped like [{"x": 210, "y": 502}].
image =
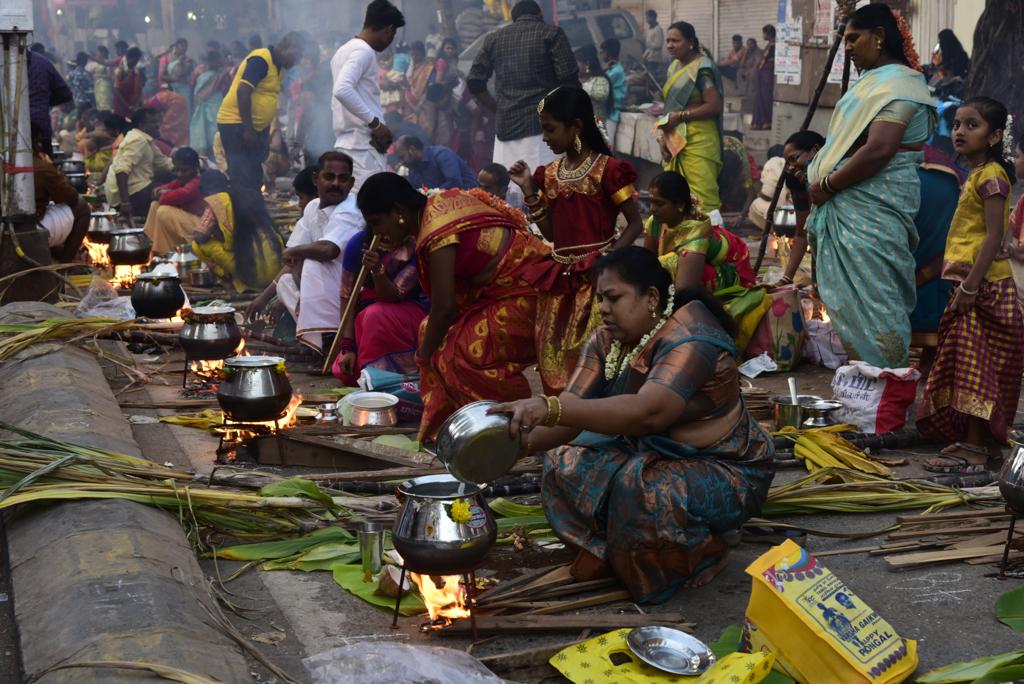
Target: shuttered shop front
[
  {"x": 701, "y": 14},
  {"x": 745, "y": 17}
]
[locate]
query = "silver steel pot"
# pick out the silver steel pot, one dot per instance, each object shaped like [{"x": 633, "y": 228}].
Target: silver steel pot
[
  {"x": 475, "y": 447},
  {"x": 210, "y": 332},
  {"x": 130, "y": 247},
  {"x": 253, "y": 389},
  {"x": 201, "y": 277},
  {"x": 785, "y": 220},
  {"x": 1011, "y": 477},
  {"x": 79, "y": 181},
  {"x": 157, "y": 296},
  {"x": 185, "y": 261},
  {"x": 785, "y": 413},
  {"x": 819, "y": 413},
  {"x": 430, "y": 541},
  {"x": 373, "y": 409},
  {"x": 101, "y": 225},
  {"x": 72, "y": 167}
]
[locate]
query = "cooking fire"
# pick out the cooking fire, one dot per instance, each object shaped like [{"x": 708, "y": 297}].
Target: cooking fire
[{"x": 445, "y": 597}]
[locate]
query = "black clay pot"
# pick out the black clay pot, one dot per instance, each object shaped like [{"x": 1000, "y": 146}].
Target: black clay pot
[{"x": 157, "y": 296}]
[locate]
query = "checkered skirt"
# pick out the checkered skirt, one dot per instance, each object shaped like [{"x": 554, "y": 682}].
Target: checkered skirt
[{"x": 978, "y": 365}]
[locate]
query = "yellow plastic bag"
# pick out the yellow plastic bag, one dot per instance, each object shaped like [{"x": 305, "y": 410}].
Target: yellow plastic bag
[
  {"x": 819, "y": 630},
  {"x": 606, "y": 659}
]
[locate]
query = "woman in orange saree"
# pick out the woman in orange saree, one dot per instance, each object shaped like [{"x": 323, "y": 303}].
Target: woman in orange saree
[{"x": 473, "y": 251}]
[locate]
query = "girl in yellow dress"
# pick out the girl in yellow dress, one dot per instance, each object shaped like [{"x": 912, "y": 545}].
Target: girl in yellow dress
[{"x": 972, "y": 391}]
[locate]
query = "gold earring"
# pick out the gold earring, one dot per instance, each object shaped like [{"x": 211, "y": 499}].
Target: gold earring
[
  {"x": 654, "y": 314},
  {"x": 577, "y": 144},
  {"x": 401, "y": 220},
  {"x": 878, "y": 44}
]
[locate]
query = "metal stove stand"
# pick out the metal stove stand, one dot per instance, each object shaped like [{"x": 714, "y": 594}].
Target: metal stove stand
[{"x": 468, "y": 578}]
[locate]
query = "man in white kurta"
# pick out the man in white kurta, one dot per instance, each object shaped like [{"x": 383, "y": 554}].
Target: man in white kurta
[
  {"x": 356, "y": 110},
  {"x": 309, "y": 286}
]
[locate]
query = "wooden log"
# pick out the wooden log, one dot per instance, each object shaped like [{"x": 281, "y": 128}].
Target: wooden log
[
  {"x": 944, "y": 556},
  {"x": 526, "y": 578},
  {"x": 580, "y": 604},
  {"x": 841, "y": 552},
  {"x": 531, "y": 624},
  {"x": 557, "y": 577},
  {"x": 949, "y": 531},
  {"x": 927, "y": 519}
]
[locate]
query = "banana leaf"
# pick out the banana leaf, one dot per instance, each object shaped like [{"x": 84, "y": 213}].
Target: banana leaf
[
  {"x": 1010, "y": 608},
  {"x": 296, "y": 486},
  {"x": 350, "y": 577},
  {"x": 282, "y": 549},
  {"x": 322, "y": 557},
  {"x": 1013, "y": 673},
  {"x": 510, "y": 509},
  {"x": 524, "y": 522},
  {"x": 971, "y": 670}
]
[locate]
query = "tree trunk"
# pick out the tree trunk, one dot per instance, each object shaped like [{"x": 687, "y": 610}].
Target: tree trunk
[{"x": 997, "y": 63}]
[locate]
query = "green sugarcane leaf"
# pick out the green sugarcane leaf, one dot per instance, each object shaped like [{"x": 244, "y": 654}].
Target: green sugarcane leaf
[
  {"x": 296, "y": 486},
  {"x": 350, "y": 577},
  {"x": 1010, "y": 608},
  {"x": 282, "y": 549},
  {"x": 511, "y": 509},
  {"x": 970, "y": 670},
  {"x": 1002, "y": 675}
]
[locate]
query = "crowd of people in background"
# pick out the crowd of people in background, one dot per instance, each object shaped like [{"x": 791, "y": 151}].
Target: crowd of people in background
[{"x": 512, "y": 236}]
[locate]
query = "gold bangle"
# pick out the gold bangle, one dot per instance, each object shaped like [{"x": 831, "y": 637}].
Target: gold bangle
[
  {"x": 533, "y": 199},
  {"x": 554, "y": 416},
  {"x": 538, "y": 214}
]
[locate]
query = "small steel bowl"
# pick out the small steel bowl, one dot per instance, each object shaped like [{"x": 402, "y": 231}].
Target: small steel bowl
[
  {"x": 476, "y": 447},
  {"x": 819, "y": 413},
  {"x": 670, "y": 650},
  {"x": 373, "y": 409}
]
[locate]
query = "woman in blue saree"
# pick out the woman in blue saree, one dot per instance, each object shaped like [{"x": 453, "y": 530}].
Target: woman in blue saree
[
  {"x": 209, "y": 93},
  {"x": 866, "y": 193},
  {"x": 651, "y": 453},
  {"x": 692, "y": 124}
]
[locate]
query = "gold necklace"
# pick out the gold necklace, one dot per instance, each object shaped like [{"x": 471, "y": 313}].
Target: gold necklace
[{"x": 578, "y": 171}]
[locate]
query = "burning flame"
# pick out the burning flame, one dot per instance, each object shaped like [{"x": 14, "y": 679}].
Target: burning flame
[
  {"x": 444, "y": 596},
  {"x": 289, "y": 419},
  {"x": 209, "y": 369},
  {"x": 125, "y": 276},
  {"x": 97, "y": 253}
]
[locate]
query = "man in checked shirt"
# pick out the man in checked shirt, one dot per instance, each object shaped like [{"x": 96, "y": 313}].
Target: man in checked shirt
[{"x": 529, "y": 59}]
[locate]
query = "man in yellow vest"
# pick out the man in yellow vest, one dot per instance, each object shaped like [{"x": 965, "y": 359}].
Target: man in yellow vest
[{"x": 250, "y": 106}]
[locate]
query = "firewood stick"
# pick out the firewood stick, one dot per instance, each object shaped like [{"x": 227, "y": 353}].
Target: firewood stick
[
  {"x": 512, "y": 624},
  {"x": 350, "y": 308}
]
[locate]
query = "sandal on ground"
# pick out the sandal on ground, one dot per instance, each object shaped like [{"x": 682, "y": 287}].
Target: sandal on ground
[{"x": 957, "y": 465}]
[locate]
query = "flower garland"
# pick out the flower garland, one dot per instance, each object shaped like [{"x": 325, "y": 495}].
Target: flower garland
[
  {"x": 909, "y": 51},
  {"x": 613, "y": 366}
]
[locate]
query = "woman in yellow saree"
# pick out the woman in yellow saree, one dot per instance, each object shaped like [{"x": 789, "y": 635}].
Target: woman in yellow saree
[
  {"x": 236, "y": 236},
  {"x": 692, "y": 124}
]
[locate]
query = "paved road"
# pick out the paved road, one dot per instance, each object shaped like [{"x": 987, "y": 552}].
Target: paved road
[{"x": 949, "y": 609}]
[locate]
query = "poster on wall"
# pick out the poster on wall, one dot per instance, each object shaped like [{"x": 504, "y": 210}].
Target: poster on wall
[
  {"x": 787, "y": 51},
  {"x": 824, "y": 19}
]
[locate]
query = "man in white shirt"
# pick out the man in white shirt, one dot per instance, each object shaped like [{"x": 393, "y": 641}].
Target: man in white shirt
[
  {"x": 309, "y": 285},
  {"x": 358, "y": 116}
]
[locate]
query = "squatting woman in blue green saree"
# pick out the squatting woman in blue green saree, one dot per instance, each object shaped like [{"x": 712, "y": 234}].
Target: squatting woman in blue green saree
[
  {"x": 651, "y": 455},
  {"x": 866, "y": 193}
]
